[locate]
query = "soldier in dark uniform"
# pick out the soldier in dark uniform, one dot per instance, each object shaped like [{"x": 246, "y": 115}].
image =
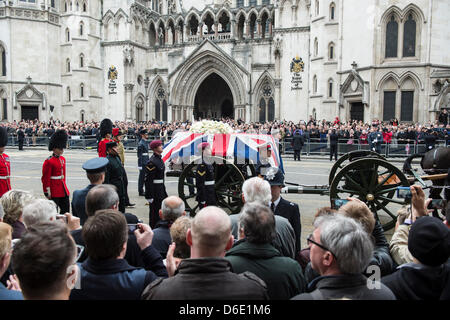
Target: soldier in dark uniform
[
  {"x": 282, "y": 207},
  {"x": 204, "y": 179},
  {"x": 114, "y": 173},
  {"x": 155, "y": 191},
  {"x": 263, "y": 164},
  {"x": 143, "y": 157}
]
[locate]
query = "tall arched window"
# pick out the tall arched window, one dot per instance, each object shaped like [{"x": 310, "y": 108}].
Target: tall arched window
[
  {"x": 2, "y": 61},
  {"x": 71, "y": 6},
  {"x": 69, "y": 98},
  {"x": 84, "y": 6},
  {"x": 314, "y": 84},
  {"x": 391, "y": 38},
  {"x": 331, "y": 52},
  {"x": 241, "y": 24},
  {"x": 82, "y": 90},
  {"x": 266, "y": 103},
  {"x": 316, "y": 47},
  {"x": 157, "y": 110},
  {"x": 330, "y": 88},
  {"x": 81, "y": 60},
  {"x": 317, "y": 8},
  {"x": 68, "y": 65},
  {"x": 252, "y": 25},
  {"x": 67, "y": 35},
  {"x": 53, "y": 3},
  {"x": 65, "y": 7},
  {"x": 409, "y": 37},
  {"x": 81, "y": 28},
  {"x": 262, "y": 110},
  {"x": 332, "y": 11},
  {"x": 78, "y": 6}
]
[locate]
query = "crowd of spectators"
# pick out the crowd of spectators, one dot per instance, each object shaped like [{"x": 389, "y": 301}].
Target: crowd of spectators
[
  {"x": 249, "y": 256},
  {"x": 352, "y": 132}
]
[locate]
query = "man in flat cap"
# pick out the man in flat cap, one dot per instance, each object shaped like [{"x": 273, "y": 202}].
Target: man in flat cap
[
  {"x": 204, "y": 179},
  {"x": 5, "y": 165},
  {"x": 95, "y": 172},
  {"x": 114, "y": 173},
  {"x": 54, "y": 172},
  {"x": 143, "y": 157},
  {"x": 155, "y": 190}
]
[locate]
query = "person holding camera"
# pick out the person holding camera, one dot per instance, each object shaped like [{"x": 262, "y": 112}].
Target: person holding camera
[{"x": 106, "y": 275}]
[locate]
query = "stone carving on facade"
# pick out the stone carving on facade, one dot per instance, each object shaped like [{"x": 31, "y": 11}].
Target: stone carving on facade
[
  {"x": 128, "y": 55},
  {"x": 278, "y": 40},
  {"x": 171, "y": 6}
]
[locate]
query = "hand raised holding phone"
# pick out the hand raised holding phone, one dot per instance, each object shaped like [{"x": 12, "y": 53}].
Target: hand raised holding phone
[{"x": 144, "y": 235}]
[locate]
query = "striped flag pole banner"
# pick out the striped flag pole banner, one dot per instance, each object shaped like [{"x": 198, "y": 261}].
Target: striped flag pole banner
[{"x": 239, "y": 148}]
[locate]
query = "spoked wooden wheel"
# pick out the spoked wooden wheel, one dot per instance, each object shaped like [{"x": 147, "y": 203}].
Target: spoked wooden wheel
[
  {"x": 349, "y": 157},
  {"x": 228, "y": 186},
  {"x": 373, "y": 181}
]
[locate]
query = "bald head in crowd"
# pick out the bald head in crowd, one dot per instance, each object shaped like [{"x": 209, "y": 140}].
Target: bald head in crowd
[{"x": 210, "y": 233}]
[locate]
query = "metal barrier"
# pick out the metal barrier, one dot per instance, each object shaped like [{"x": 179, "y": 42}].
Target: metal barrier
[{"x": 315, "y": 147}]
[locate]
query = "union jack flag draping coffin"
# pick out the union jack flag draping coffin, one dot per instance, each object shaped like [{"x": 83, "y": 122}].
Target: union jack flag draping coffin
[{"x": 241, "y": 147}]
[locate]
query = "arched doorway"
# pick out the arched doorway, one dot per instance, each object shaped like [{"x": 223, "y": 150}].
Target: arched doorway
[{"x": 214, "y": 99}]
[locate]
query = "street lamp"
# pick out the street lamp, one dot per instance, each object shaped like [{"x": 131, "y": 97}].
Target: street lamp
[{"x": 146, "y": 84}]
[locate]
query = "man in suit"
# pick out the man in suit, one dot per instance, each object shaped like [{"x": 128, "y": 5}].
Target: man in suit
[
  {"x": 282, "y": 207},
  {"x": 95, "y": 172},
  {"x": 334, "y": 138},
  {"x": 297, "y": 144},
  {"x": 20, "y": 138}
]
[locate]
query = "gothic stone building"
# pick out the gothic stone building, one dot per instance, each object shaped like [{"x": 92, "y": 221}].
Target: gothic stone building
[{"x": 253, "y": 60}]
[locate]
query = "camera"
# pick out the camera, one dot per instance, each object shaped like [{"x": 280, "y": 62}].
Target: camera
[
  {"x": 404, "y": 193},
  {"x": 132, "y": 228},
  {"x": 436, "y": 204},
  {"x": 61, "y": 217},
  {"x": 339, "y": 203}
]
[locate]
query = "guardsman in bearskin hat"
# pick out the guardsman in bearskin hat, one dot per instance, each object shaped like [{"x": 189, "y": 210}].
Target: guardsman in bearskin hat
[
  {"x": 114, "y": 173},
  {"x": 106, "y": 127},
  {"x": 54, "y": 172},
  {"x": 155, "y": 191},
  {"x": 5, "y": 165},
  {"x": 204, "y": 179}
]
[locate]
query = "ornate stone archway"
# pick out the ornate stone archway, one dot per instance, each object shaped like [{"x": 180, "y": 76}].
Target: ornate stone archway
[{"x": 206, "y": 60}]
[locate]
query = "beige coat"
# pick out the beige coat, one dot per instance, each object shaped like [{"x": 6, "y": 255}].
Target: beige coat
[{"x": 399, "y": 245}]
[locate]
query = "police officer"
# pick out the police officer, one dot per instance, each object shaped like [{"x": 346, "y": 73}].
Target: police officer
[
  {"x": 5, "y": 165},
  {"x": 265, "y": 152},
  {"x": 54, "y": 172},
  {"x": 334, "y": 138},
  {"x": 20, "y": 138},
  {"x": 106, "y": 127},
  {"x": 114, "y": 172},
  {"x": 95, "y": 171},
  {"x": 375, "y": 139},
  {"x": 297, "y": 144},
  {"x": 204, "y": 178},
  {"x": 143, "y": 158},
  {"x": 155, "y": 191}
]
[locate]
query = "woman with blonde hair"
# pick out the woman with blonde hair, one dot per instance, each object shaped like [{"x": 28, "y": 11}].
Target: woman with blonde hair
[{"x": 13, "y": 203}]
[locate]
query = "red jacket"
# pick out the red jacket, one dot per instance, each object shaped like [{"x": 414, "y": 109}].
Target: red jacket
[
  {"x": 5, "y": 172},
  {"x": 54, "y": 177},
  {"x": 387, "y": 137},
  {"x": 102, "y": 147}
]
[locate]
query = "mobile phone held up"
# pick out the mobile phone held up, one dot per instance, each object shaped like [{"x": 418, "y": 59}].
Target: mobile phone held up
[
  {"x": 61, "y": 217},
  {"x": 132, "y": 228},
  {"x": 436, "y": 204},
  {"x": 339, "y": 203},
  {"x": 404, "y": 193}
]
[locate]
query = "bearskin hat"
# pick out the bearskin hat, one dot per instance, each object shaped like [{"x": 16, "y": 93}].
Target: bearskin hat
[
  {"x": 106, "y": 126},
  {"x": 3, "y": 137},
  {"x": 58, "y": 140}
]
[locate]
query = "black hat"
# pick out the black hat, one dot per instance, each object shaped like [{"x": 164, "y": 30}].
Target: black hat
[
  {"x": 106, "y": 127},
  {"x": 58, "y": 140},
  {"x": 3, "y": 137},
  {"x": 274, "y": 176},
  {"x": 111, "y": 144},
  {"x": 429, "y": 241},
  {"x": 95, "y": 165}
]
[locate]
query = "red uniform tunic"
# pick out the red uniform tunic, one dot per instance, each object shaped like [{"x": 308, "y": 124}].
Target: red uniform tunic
[
  {"x": 54, "y": 177},
  {"x": 102, "y": 147},
  {"x": 5, "y": 172}
]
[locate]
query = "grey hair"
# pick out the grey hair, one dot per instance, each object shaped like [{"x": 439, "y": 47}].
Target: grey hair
[
  {"x": 2, "y": 213},
  {"x": 39, "y": 210},
  {"x": 346, "y": 239},
  {"x": 256, "y": 190},
  {"x": 103, "y": 196},
  {"x": 172, "y": 214},
  {"x": 258, "y": 223},
  {"x": 13, "y": 202}
]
